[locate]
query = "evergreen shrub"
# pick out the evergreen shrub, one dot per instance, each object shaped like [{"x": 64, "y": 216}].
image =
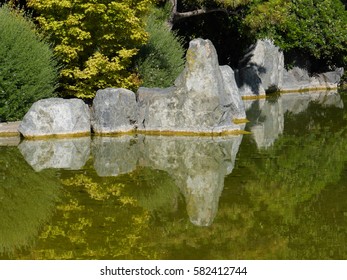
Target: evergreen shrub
[
  {"x": 161, "y": 60},
  {"x": 27, "y": 68}
]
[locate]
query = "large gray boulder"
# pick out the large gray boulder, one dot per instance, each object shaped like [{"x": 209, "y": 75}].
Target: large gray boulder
[
  {"x": 114, "y": 110},
  {"x": 197, "y": 103},
  {"x": 56, "y": 117},
  {"x": 261, "y": 69},
  {"x": 231, "y": 88},
  {"x": 297, "y": 79}
]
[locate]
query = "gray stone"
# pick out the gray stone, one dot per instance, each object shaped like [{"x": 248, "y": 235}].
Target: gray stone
[
  {"x": 56, "y": 117},
  {"x": 71, "y": 153},
  {"x": 9, "y": 135},
  {"x": 198, "y": 102},
  {"x": 114, "y": 155},
  {"x": 9, "y": 129},
  {"x": 159, "y": 110},
  {"x": 237, "y": 104},
  {"x": 261, "y": 69},
  {"x": 249, "y": 83},
  {"x": 114, "y": 111},
  {"x": 298, "y": 79}
]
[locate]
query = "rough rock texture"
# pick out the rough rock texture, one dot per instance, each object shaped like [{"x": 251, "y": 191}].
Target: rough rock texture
[
  {"x": 198, "y": 102},
  {"x": 298, "y": 79},
  {"x": 55, "y": 117},
  {"x": 9, "y": 129},
  {"x": 9, "y": 135},
  {"x": 56, "y": 153},
  {"x": 113, "y": 111},
  {"x": 261, "y": 69},
  {"x": 237, "y": 104}
]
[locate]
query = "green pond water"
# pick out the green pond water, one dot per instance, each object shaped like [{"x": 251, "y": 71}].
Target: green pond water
[{"x": 279, "y": 192}]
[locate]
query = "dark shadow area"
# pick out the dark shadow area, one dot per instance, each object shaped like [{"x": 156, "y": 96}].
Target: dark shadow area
[
  {"x": 221, "y": 29},
  {"x": 247, "y": 74}
]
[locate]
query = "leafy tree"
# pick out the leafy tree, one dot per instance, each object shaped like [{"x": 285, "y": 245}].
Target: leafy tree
[
  {"x": 161, "y": 60},
  {"x": 28, "y": 70},
  {"x": 95, "y": 40},
  {"x": 314, "y": 28},
  {"x": 192, "y": 8}
]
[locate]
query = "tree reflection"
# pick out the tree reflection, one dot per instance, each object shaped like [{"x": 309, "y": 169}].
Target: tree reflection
[{"x": 26, "y": 202}]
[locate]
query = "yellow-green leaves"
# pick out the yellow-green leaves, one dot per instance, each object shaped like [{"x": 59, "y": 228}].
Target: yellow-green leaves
[{"x": 95, "y": 41}]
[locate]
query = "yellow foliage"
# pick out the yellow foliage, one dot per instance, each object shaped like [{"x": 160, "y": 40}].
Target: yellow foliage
[{"x": 95, "y": 41}]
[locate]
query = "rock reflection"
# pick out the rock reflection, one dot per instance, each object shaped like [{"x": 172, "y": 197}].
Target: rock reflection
[
  {"x": 267, "y": 117},
  {"x": 198, "y": 165},
  {"x": 114, "y": 155},
  {"x": 70, "y": 153}
]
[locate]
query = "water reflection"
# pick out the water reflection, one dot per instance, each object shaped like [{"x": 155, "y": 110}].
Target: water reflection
[
  {"x": 56, "y": 153},
  {"x": 198, "y": 165},
  {"x": 27, "y": 201},
  {"x": 267, "y": 117},
  {"x": 115, "y": 155},
  {"x": 132, "y": 198}
]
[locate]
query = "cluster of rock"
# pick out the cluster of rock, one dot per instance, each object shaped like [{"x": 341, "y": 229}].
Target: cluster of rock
[
  {"x": 205, "y": 99},
  {"x": 262, "y": 70}
]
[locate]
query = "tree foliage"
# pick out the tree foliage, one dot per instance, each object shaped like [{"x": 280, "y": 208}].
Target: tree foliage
[
  {"x": 162, "y": 59},
  {"x": 95, "y": 40},
  {"x": 315, "y": 28},
  {"x": 28, "y": 71}
]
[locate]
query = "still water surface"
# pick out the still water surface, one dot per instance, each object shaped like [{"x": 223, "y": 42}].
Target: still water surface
[{"x": 279, "y": 192}]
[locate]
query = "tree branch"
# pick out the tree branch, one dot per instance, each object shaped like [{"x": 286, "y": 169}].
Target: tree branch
[
  {"x": 177, "y": 16},
  {"x": 181, "y": 15}
]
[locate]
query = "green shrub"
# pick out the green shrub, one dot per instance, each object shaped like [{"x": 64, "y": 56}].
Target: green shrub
[
  {"x": 95, "y": 41},
  {"x": 27, "y": 68},
  {"x": 162, "y": 59}
]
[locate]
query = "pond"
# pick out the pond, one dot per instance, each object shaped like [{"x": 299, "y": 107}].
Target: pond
[{"x": 277, "y": 192}]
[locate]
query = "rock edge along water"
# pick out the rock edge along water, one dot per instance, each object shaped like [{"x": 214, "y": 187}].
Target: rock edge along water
[
  {"x": 200, "y": 103},
  {"x": 204, "y": 100},
  {"x": 262, "y": 70}
]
